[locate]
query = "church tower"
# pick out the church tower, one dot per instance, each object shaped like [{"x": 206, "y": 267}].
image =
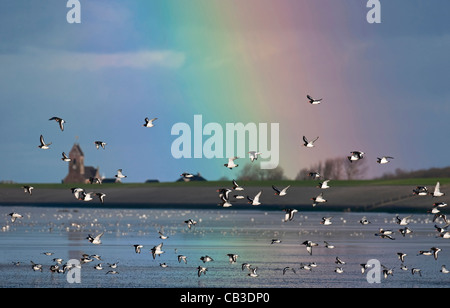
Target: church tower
[
  {"x": 76, "y": 165},
  {"x": 78, "y": 173}
]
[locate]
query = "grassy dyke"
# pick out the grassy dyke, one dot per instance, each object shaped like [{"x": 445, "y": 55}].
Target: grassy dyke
[{"x": 281, "y": 183}]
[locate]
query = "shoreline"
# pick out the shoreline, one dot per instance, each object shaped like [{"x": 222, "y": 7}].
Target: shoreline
[{"x": 370, "y": 198}]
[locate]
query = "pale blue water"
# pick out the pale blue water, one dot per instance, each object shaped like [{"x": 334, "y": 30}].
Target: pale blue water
[{"x": 218, "y": 232}]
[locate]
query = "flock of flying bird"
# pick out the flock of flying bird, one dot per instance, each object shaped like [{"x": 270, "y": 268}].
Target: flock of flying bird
[{"x": 225, "y": 195}]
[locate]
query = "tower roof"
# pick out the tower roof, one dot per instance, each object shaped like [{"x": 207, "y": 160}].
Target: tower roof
[{"x": 76, "y": 150}]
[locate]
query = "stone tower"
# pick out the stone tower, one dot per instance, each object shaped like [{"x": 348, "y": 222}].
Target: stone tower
[{"x": 78, "y": 173}]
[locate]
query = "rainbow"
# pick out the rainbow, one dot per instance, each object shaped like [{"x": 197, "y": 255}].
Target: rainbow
[{"x": 256, "y": 60}]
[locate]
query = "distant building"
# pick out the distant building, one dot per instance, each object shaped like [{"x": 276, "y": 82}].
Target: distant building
[
  {"x": 152, "y": 181},
  {"x": 78, "y": 172}
]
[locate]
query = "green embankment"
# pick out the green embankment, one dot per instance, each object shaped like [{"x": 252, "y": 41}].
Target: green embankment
[{"x": 283, "y": 183}]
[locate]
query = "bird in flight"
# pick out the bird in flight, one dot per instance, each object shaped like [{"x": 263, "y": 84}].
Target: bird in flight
[
  {"x": 313, "y": 101},
  {"x": 231, "y": 163},
  {"x": 44, "y": 145},
  {"x": 307, "y": 143},
  {"x": 99, "y": 144},
  {"x": 59, "y": 121},
  {"x": 384, "y": 159},
  {"x": 149, "y": 123}
]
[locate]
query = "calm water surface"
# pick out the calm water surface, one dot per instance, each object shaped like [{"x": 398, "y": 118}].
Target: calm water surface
[{"x": 247, "y": 233}]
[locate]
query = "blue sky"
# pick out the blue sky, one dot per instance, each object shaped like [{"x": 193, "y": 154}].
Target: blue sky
[{"x": 105, "y": 75}]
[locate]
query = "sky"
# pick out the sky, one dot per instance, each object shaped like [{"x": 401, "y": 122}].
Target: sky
[{"x": 384, "y": 85}]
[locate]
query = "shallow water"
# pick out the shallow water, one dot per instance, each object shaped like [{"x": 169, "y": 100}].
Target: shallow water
[{"x": 247, "y": 233}]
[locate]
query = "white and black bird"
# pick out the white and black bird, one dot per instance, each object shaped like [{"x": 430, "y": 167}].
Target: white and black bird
[
  {"x": 281, "y": 192},
  {"x": 182, "y": 258},
  {"x": 254, "y": 155},
  {"x": 86, "y": 196},
  {"x": 149, "y": 123},
  {"x": 59, "y": 121},
  {"x": 162, "y": 235},
  {"x": 225, "y": 202},
  {"x": 326, "y": 221},
  {"x": 14, "y": 216},
  {"x": 328, "y": 245},
  {"x": 253, "y": 272},
  {"x": 324, "y": 184},
  {"x": 420, "y": 191},
  {"x": 236, "y": 186},
  {"x": 437, "y": 191},
  {"x": 435, "y": 251},
  {"x": 314, "y": 175},
  {"x": 307, "y": 143},
  {"x": 441, "y": 229},
  {"x": 356, "y": 155},
  {"x": 36, "y": 267},
  {"x": 186, "y": 176},
  {"x": 201, "y": 270},
  {"x": 401, "y": 256},
  {"x": 289, "y": 214},
  {"x": 99, "y": 144},
  {"x": 65, "y": 157},
  {"x": 190, "y": 222},
  {"x": 402, "y": 221},
  {"x": 119, "y": 176},
  {"x": 318, "y": 199},
  {"x": 43, "y": 145},
  {"x": 77, "y": 192},
  {"x": 309, "y": 245},
  {"x": 157, "y": 250},
  {"x": 246, "y": 266},
  {"x": 444, "y": 270},
  {"x": 387, "y": 271},
  {"x": 138, "y": 247},
  {"x": 416, "y": 270},
  {"x": 97, "y": 257},
  {"x": 385, "y": 234},
  {"x": 230, "y": 165},
  {"x": 339, "y": 261},
  {"x": 445, "y": 234},
  {"x": 206, "y": 259},
  {"x": 95, "y": 239},
  {"x": 384, "y": 160},
  {"x": 438, "y": 205},
  {"x": 313, "y": 101},
  {"x": 434, "y": 210},
  {"x": 28, "y": 189},
  {"x": 95, "y": 180},
  {"x": 364, "y": 267},
  {"x": 254, "y": 200},
  {"x": 405, "y": 231},
  {"x": 224, "y": 193},
  {"x": 101, "y": 196},
  {"x": 425, "y": 253},
  {"x": 440, "y": 215},
  {"x": 232, "y": 257}
]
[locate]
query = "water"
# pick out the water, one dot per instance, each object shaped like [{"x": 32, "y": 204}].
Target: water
[{"x": 248, "y": 233}]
